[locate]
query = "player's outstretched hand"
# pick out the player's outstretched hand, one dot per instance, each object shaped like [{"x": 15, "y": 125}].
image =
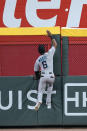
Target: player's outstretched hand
[{"x": 49, "y": 33}]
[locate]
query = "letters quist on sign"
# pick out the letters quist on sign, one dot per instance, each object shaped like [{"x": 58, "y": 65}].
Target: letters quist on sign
[{"x": 19, "y": 99}]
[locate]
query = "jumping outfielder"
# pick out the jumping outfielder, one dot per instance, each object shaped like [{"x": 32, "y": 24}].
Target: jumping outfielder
[{"x": 45, "y": 63}]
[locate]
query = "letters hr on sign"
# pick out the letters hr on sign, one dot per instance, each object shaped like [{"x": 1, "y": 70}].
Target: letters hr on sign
[
  {"x": 11, "y": 99},
  {"x": 31, "y": 7},
  {"x": 79, "y": 99}
]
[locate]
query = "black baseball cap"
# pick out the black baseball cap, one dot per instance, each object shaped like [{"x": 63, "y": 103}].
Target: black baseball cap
[{"x": 41, "y": 49}]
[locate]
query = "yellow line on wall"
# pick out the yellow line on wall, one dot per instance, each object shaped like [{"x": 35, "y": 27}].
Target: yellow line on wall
[
  {"x": 29, "y": 31},
  {"x": 74, "y": 32}
]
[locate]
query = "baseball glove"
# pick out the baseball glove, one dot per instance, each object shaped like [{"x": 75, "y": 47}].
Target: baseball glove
[
  {"x": 37, "y": 75},
  {"x": 49, "y": 34}
]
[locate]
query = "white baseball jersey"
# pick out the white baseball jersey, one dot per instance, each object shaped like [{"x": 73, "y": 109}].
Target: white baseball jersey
[{"x": 45, "y": 62}]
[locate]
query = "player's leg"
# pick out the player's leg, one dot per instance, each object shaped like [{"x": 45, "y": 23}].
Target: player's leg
[
  {"x": 48, "y": 100},
  {"x": 49, "y": 92},
  {"x": 41, "y": 89}
]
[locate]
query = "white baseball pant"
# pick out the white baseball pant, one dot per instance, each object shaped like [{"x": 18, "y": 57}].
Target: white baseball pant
[{"x": 46, "y": 80}]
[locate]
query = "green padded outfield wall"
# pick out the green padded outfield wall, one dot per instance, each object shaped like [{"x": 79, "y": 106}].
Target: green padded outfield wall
[
  {"x": 57, "y": 56},
  {"x": 75, "y": 100},
  {"x": 18, "y": 96},
  {"x": 65, "y": 65}
]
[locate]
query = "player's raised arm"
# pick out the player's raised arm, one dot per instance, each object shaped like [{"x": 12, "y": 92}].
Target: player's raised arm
[{"x": 53, "y": 40}]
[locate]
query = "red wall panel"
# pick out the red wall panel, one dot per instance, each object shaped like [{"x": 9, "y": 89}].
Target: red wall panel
[
  {"x": 77, "y": 56},
  {"x": 18, "y": 54}
]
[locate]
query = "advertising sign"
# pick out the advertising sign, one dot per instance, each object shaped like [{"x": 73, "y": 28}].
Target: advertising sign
[
  {"x": 18, "y": 97},
  {"x": 75, "y": 100},
  {"x": 43, "y": 13}
]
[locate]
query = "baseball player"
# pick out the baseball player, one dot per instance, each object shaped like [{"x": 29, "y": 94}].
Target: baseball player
[{"x": 45, "y": 63}]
